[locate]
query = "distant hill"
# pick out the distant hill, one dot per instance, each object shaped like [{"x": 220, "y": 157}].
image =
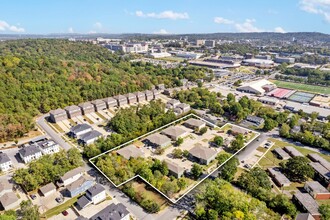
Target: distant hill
[{"x": 265, "y": 36}]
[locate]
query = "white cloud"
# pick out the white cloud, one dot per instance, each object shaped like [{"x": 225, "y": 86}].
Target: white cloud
[
  {"x": 70, "y": 30},
  {"x": 161, "y": 31},
  {"x": 98, "y": 25},
  {"x": 163, "y": 15},
  {"x": 220, "y": 20},
  {"x": 4, "y": 26},
  {"x": 92, "y": 32},
  {"x": 247, "y": 26},
  {"x": 320, "y": 7},
  {"x": 279, "y": 30}
]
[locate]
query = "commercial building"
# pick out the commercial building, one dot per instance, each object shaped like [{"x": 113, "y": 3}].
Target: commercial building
[
  {"x": 268, "y": 101},
  {"x": 288, "y": 60},
  {"x": 263, "y": 57},
  {"x": 209, "y": 43},
  {"x": 5, "y": 162},
  {"x": 202, "y": 154},
  {"x": 49, "y": 147},
  {"x": 174, "y": 132},
  {"x": 86, "y": 107},
  {"x": 113, "y": 211},
  {"x": 316, "y": 190},
  {"x": 194, "y": 123},
  {"x": 255, "y": 119},
  {"x": 175, "y": 169},
  {"x": 110, "y": 102},
  {"x": 79, "y": 186},
  {"x": 57, "y": 115},
  {"x": 79, "y": 129},
  {"x": 9, "y": 201},
  {"x": 89, "y": 137},
  {"x": 281, "y": 154},
  {"x": 256, "y": 87},
  {"x": 48, "y": 189},
  {"x": 30, "y": 153},
  {"x": 71, "y": 176},
  {"x": 121, "y": 100},
  {"x": 189, "y": 55},
  {"x": 158, "y": 140},
  {"x": 260, "y": 63},
  {"x": 307, "y": 203},
  {"x": 278, "y": 177},
  {"x": 293, "y": 152},
  {"x": 73, "y": 111},
  {"x": 99, "y": 105},
  {"x": 199, "y": 42},
  {"x": 159, "y": 55},
  {"x": 130, "y": 151},
  {"x": 295, "y": 107},
  {"x": 235, "y": 130},
  {"x": 322, "y": 101}
]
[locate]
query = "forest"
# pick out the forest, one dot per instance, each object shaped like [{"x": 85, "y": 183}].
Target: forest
[{"x": 39, "y": 75}]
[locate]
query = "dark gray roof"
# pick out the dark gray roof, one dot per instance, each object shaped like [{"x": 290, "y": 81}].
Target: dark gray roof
[
  {"x": 281, "y": 153},
  {"x": 317, "y": 158},
  {"x": 58, "y": 111},
  {"x": 47, "y": 188},
  {"x": 4, "y": 158},
  {"x": 29, "y": 150},
  {"x": 80, "y": 127},
  {"x": 83, "y": 201},
  {"x": 72, "y": 108},
  {"x": 304, "y": 216},
  {"x": 81, "y": 218},
  {"x": 255, "y": 119},
  {"x": 293, "y": 151},
  {"x": 86, "y": 105},
  {"x": 308, "y": 202},
  {"x": 320, "y": 169},
  {"x": 95, "y": 190},
  {"x": 112, "y": 212},
  {"x": 280, "y": 177},
  {"x": 90, "y": 135},
  {"x": 316, "y": 187}
]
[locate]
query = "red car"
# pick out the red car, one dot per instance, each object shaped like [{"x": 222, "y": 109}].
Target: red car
[{"x": 65, "y": 213}]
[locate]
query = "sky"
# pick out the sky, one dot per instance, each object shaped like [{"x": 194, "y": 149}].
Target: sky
[{"x": 163, "y": 16}]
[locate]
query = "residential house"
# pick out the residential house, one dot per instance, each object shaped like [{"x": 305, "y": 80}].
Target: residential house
[
  {"x": 174, "y": 169},
  {"x": 281, "y": 154},
  {"x": 130, "y": 151},
  {"x": 131, "y": 98},
  {"x": 29, "y": 153},
  {"x": 157, "y": 140},
  {"x": 110, "y": 102},
  {"x": 71, "y": 176},
  {"x": 83, "y": 202},
  {"x": 9, "y": 201},
  {"x": 47, "y": 189},
  {"x": 57, "y": 115},
  {"x": 172, "y": 104},
  {"x": 307, "y": 203},
  {"x": 293, "y": 152},
  {"x": 113, "y": 212},
  {"x": 121, "y": 100},
  {"x": 49, "y": 147},
  {"x": 149, "y": 95},
  {"x": 174, "y": 132},
  {"x": 73, "y": 111},
  {"x": 255, "y": 119},
  {"x": 178, "y": 111},
  {"x": 5, "y": 162},
  {"x": 202, "y": 154},
  {"x": 89, "y": 137},
  {"x": 194, "y": 123},
  {"x": 140, "y": 96},
  {"x": 79, "y": 186},
  {"x": 79, "y": 130},
  {"x": 99, "y": 105},
  {"x": 235, "y": 130},
  {"x": 5, "y": 187},
  {"x": 96, "y": 194},
  {"x": 160, "y": 86},
  {"x": 278, "y": 177},
  {"x": 86, "y": 108},
  {"x": 156, "y": 93},
  {"x": 184, "y": 107},
  {"x": 316, "y": 190}
]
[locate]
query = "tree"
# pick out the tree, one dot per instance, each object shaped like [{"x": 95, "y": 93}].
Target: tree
[
  {"x": 285, "y": 131},
  {"x": 270, "y": 124},
  {"x": 179, "y": 141},
  {"x": 324, "y": 210},
  {"x": 196, "y": 170},
  {"x": 218, "y": 140},
  {"x": 298, "y": 169},
  {"x": 185, "y": 153},
  {"x": 230, "y": 98},
  {"x": 282, "y": 204},
  {"x": 203, "y": 130},
  {"x": 237, "y": 82},
  {"x": 182, "y": 183},
  {"x": 177, "y": 153},
  {"x": 228, "y": 170},
  {"x": 294, "y": 120},
  {"x": 238, "y": 143},
  {"x": 28, "y": 211}
]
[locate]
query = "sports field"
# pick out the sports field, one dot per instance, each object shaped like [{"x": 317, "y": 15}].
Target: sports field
[{"x": 302, "y": 87}]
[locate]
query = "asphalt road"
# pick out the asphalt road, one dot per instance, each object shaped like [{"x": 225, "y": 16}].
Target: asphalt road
[{"x": 55, "y": 136}]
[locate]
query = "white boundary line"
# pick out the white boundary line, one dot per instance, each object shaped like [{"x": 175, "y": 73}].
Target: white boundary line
[{"x": 182, "y": 118}]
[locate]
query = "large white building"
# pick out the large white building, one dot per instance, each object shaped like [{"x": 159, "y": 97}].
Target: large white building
[
  {"x": 257, "y": 87},
  {"x": 258, "y": 63},
  {"x": 188, "y": 55},
  {"x": 159, "y": 55}
]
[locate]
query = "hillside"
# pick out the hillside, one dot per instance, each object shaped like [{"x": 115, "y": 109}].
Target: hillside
[{"x": 39, "y": 75}]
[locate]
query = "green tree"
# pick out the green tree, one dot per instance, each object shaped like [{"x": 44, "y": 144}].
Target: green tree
[
  {"x": 237, "y": 143},
  {"x": 196, "y": 170},
  {"x": 285, "y": 131},
  {"x": 218, "y": 140},
  {"x": 203, "y": 130},
  {"x": 177, "y": 153},
  {"x": 282, "y": 204},
  {"x": 298, "y": 169},
  {"x": 270, "y": 124},
  {"x": 228, "y": 170},
  {"x": 179, "y": 141},
  {"x": 28, "y": 211},
  {"x": 324, "y": 210}
]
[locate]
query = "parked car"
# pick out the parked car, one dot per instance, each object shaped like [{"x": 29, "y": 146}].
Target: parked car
[
  {"x": 59, "y": 200},
  {"x": 65, "y": 213},
  {"x": 33, "y": 197}
]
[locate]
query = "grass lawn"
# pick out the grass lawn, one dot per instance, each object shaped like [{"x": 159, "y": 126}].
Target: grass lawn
[
  {"x": 60, "y": 208},
  {"x": 88, "y": 120},
  {"x": 226, "y": 128},
  {"x": 261, "y": 149},
  {"x": 101, "y": 116},
  {"x": 172, "y": 59},
  {"x": 154, "y": 196},
  {"x": 302, "y": 87},
  {"x": 57, "y": 127},
  {"x": 238, "y": 173},
  {"x": 323, "y": 202}
]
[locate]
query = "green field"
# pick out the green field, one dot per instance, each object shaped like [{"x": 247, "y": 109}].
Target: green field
[{"x": 302, "y": 87}]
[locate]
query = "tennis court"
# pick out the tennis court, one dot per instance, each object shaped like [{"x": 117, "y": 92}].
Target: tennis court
[
  {"x": 302, "y": 97},
  {"x": 279, "y": 93}
]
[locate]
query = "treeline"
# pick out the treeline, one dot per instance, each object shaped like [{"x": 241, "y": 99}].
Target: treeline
[
  {"x": 39, "y": 75},
  {"x": 313, "y": 59},
  {"x": 316, "y": 77},
  {"x": 130, "y": 123},
  {"x": 48, "y": 168}
]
